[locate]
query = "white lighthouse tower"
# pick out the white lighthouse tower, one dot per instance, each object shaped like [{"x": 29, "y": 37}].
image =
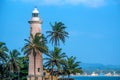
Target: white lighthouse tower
[{"x": 35, "y": 27}]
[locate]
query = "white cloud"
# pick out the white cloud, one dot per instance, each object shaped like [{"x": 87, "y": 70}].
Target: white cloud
[
  {"x": 92, "y": 3},
  {"x": 31, "y": 1},
  {"x": 89, "y": 3}
]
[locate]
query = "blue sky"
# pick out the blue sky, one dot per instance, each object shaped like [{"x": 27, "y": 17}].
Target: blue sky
[{"x": 93, "y": 26}]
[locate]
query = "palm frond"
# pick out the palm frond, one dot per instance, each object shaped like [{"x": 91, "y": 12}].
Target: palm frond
[{"x": 57, "y": 33}]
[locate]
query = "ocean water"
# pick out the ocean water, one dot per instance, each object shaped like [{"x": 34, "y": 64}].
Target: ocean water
[{"x": 96, "y": 77}]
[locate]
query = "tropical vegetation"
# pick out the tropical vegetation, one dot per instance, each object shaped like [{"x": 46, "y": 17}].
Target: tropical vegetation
[
  {"x": 57, "y": 33},
  {"x": 14, "y": 66},
  {"x": 71, "y": 66},
  {"x": 13, "y": 63},
  {"x": 36, "y": 45},
  {"x": 3, "y": 51},
  {"x": 54, "y": 61}
]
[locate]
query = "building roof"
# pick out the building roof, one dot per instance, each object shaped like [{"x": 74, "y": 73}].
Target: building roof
[{"x": 35, "y": 10}]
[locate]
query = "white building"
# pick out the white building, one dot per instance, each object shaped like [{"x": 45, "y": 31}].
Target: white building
[{"x": 94, "y": 74}]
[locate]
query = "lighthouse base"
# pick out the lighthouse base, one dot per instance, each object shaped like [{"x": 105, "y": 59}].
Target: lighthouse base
[{"x": 33, "y": 77}]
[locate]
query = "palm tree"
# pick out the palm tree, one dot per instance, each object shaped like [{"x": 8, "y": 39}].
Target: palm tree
[
  {"x": 71, "y": 66},
  {"x": 54, "y": 60},
  {"x": 3, "y": 51},
  {"x": 57, "y": 34},
  {"x": 24, "y": 68},
  {"x": 3, "y": 56},
  {"x": 13, "y": 63},
  {"x": 2, "y": 71},
  {"x": 36, "y": 45}
]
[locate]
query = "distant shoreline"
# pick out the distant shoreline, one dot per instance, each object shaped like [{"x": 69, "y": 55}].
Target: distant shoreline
[{"x": 93, "y": 76}]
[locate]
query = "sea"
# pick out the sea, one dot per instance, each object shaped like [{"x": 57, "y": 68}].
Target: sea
[{"x": 96, "y": 77}]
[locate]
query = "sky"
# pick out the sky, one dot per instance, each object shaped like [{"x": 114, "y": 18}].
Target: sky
[{"x": 93, "y": 26}]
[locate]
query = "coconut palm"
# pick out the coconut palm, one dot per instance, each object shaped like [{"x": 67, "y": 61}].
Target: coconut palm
[
  {"x": 3, "y": 56},
  {"x": 54, "y": 60},
  {"x": 71, "y": 66},
  {"x": 13, "y": 63},
  {"x": 36, "y": 45},
  {"x": 2, "y": 71},
  {"x": 3, "y": 51},
  {"x": 57, "y": 33},
  {"x": 24, "y": 68}
]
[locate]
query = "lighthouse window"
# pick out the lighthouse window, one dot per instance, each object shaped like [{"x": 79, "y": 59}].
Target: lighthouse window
[
  {"x": 35, "y": 14},
  {"x": 38, "y": 69},
  {"x": 44, "y": 73}
]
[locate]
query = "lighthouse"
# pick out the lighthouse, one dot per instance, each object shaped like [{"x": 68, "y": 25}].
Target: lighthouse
[{"x": 35, "y": 27}]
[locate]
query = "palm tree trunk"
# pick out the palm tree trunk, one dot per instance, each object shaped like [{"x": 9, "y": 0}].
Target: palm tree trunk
[
  {"x": 10, "y": 77},
  {"x": 18, "y": 75},
  {"x": 52, "y": 72},
  {"x": 34, "y": 54},
  {"x": 35, "y": 66},
  {"x": 2, "y": 77}
]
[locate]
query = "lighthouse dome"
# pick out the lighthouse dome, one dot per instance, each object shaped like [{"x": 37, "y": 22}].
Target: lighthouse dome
[
  {"x": 35, "y": 10},
  {"x": 35, "y": 15}
]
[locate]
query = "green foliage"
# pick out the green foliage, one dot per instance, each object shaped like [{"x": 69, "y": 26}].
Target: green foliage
[
  {"x": 14, "y": 67},
  {"x": 53, "y": 61},
  {"x": 71, "y": 66},
  {"x": 3, "y": 52},
  {"x": 3, "y": 56},
  {"x": 57, "y": 63},
  {"x": 54, "y": 58},
  {"x": 24, "y": 70},
  {"x": 37, "y": 45},
  {"x": 57, "y": 33},
  {"x": 13, "y": 64}
]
